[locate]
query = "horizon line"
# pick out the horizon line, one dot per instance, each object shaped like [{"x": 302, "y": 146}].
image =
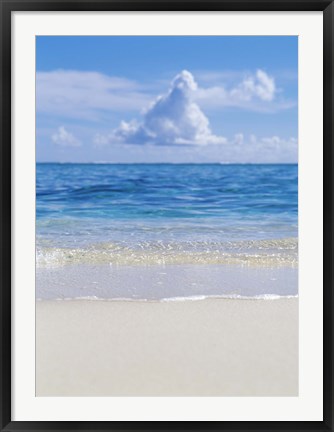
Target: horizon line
[{"x": 168, "y": 163}]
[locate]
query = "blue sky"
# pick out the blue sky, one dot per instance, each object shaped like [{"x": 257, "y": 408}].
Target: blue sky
[{"x": 167, "y": 99}]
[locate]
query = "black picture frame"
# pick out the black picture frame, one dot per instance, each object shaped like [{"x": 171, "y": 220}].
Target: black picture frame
[{"x": 9, "y": 6}]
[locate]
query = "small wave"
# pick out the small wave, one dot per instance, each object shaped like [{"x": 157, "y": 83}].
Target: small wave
[{"x": 273, "y": 253}]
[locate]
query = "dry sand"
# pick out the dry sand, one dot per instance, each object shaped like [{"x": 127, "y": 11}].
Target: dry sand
[{"x": 213, "y": 347}]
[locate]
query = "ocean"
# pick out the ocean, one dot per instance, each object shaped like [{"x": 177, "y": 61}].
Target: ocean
[{"x": 166, "y": 231}]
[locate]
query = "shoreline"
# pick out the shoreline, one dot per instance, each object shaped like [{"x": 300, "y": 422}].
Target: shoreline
[
  {"x": 210, "y": 347},
  {"x": 264, "y": 297}
]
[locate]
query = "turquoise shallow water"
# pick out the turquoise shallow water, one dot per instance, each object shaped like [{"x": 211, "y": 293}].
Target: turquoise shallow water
[{"x": 167, "y": 215}]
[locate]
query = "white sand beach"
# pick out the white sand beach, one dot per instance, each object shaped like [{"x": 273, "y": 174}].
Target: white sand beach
[{"x": 212, "y": 347}]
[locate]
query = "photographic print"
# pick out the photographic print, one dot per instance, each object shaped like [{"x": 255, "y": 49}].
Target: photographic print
[{"x": 167, "y": 216}]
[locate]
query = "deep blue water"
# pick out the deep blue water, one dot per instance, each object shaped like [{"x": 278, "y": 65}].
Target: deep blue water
[{"x": 86, "y": 203}]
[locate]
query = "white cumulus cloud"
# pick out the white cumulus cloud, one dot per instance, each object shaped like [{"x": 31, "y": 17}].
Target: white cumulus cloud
[
  {"x": 256, "y": 91},
  {"x": 173, "y": 119},
  {"x": 64, "y": 138},
  {"x": 260, "y": 85}
]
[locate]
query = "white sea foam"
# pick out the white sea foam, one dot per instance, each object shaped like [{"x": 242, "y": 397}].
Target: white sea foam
[
  {"x": 178, "y": 299},
  {"x": 229, "y": 297}
]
